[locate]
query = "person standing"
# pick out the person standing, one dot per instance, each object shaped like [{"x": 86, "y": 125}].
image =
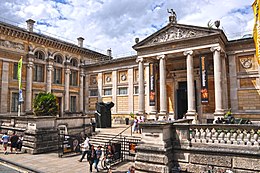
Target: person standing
[
  {"x": 14, "y": 141},
  {"x": 99, "y": 154},
  {"x": 91, "y": 157},
  {"x": 20, "y": 143},
  {"x": 135, "y": 125},
  {"x": 5, "y": 140},
  {"x": 84, "y": 148}
]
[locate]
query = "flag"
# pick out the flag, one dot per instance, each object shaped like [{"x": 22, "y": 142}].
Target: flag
[
  {"x": 19, "y": 76},
  {"x": 256, "y": 30}
]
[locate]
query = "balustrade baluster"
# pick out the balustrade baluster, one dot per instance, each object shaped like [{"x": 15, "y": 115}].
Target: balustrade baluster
[
  {"x": 234, "y": 136},
  {"x": 255, "y": 138},
  {"x": 203, "y": 135},
  {"x": 193, "y": 133}
]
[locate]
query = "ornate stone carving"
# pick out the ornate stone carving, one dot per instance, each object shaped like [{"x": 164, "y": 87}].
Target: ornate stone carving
[
  {"x": 10, "y": 44},
  {"x": 123, "y": 77},
  {"x": 108, "y": 79},
  {"x": 246, "y": 62},
  {"x": 175, "y": 34}
]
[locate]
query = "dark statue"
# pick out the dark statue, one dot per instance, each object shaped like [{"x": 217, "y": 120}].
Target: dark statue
[{"x": 173, "y": 16}]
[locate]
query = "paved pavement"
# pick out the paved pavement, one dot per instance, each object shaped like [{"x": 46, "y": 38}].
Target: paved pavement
[{"x": 51, "y": 163}]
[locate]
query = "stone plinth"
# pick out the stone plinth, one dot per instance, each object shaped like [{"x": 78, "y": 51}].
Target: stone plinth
[{"x": 154, "y": 154}]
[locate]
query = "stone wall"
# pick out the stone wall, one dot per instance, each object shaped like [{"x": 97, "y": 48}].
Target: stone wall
[
  {"x": 174, "y": 147},
  {"x": 41, "y": 133}
]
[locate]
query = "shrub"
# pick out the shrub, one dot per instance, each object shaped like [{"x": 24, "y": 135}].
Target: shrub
[{"x": 45, "y": 104}]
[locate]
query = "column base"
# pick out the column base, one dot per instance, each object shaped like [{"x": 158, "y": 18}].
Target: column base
[{"x": 192, "y": 115}]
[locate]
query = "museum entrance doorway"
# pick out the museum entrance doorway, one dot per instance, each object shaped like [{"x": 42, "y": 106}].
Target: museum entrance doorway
[{"x": 182, "y": 100}]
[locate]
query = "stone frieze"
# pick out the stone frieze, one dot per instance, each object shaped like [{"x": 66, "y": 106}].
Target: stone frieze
[{"x": 12, "y": 45}]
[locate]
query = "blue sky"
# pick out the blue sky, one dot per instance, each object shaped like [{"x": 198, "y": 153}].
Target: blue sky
[{"x": 116, "y": 23}]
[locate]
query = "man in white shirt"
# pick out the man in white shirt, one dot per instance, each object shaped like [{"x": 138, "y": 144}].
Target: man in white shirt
[{"x": 84, "y": 148}]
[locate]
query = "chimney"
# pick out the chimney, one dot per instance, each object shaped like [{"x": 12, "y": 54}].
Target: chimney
[
  {"x": 30, "y": 24},
  {"x": 80, "y": 41},
  {"x": 109, "y": 52}
]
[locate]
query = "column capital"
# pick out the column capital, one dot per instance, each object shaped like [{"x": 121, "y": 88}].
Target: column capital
[
  {"x": 188, "y": 52},
  {"x": 139, "y": 59},
  {"x": 215, "y": 48},
  {"x": 50, "y": 68},
  {"x": 67, "y": 71},
  {"x": 82, "y": 74},
  {"x": 161, "y": 57}
]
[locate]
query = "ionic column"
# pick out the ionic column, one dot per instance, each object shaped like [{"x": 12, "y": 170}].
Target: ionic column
[
  {"x": 190, "y": 83},
  {"x": 100, "y": 86},
  {"x": 131, "y": 90},
  {"x": 49, "y": 77},
  {"x": 114, "y": 91},
  {"x": 163, "y": 90},
  {"x": 28, "y": 96},
  {"x": 81, "y": 91},
  {"x": 141, "y": 85},
  {"x": 217, "y": 80},
  {"x": 87, "y": 93},
  {"x": 67, "y": 88}
]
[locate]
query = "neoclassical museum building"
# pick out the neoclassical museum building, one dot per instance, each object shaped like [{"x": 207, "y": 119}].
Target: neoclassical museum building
[{"x": 179, "y": 71}]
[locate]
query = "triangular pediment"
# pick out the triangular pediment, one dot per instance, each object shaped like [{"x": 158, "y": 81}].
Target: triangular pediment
[{"x": 176, "y": 32}]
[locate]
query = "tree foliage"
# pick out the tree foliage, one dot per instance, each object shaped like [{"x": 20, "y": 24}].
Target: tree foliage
[{"x": 45, "y": 104}]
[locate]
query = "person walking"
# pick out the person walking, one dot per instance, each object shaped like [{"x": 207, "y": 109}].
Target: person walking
[
  {"x": 14, "y": 141},
  {"x": 5, "y": 140},
  {"x": 99, "y": 154},
  {"x": 135, "y": 125},
  {"x": 91, "y": 157},
  {"x": 84, "y": 148}
]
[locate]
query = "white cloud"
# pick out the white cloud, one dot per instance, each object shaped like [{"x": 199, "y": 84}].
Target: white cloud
[{"x": 115, "y": 23}]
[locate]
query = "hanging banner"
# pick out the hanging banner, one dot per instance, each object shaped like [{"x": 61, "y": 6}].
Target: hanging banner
[
  {"x": 256, "y": 30},
  {"x": 152, "y": 84},
  {"x": 204, "y": 80},
  {"x": 19, "y": 77}
]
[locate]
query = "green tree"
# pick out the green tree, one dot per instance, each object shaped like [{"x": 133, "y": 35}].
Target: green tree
[{"x": 45, "y": 104}]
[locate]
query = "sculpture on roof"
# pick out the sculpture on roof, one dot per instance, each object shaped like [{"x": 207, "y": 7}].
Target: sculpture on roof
[{"x": 173, "y": 16}]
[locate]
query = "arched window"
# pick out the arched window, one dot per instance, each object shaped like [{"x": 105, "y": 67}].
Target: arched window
[
  {"x": 58, "y": 59},
  {"x": 39, "y": 55},
  {"x": 74, "y": 62}
]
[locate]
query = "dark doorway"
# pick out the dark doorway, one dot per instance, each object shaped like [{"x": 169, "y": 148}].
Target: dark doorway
[
  {"x": 59, "y": 99},
  {"x": 182, "y": 100}
]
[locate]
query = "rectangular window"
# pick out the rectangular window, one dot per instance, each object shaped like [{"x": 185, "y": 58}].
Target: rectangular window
[
  {"x": 93, "y": 92},
  {"x": 38, "y": 73},
  {"x": 122, "y": 91},
  {"x": 108, "y": 92},
  {"x": 73, "y": 78},
  {"x": 14, "y": 105},
  {"x": 73, "y": 104},
  {"x": 57, "y": 76},
  {"x": 15, "y": 69},
  {"x": 136, "y": 90}
]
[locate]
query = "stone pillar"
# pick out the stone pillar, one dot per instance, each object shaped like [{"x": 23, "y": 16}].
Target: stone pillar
[
  {"x": 81, "y": 91},
  {"x": 152, "y": 83},
  {"x": 217, "y": 81},
  {"x": 86, "y": 93},
  {"x": 4, "y": 87},
  {"x": 67, "y": 89},
  {"x": 190, "y": 85},
  {"x": 163, "y": 89},
  {"x": 233, "y": 82},
  {"x": 49, "y": 76},
  {"x": 141, "y": 85},
  {"x": 100, "y": 86},
  {"x": 154, "y": 152},
  {"x": 131, "y": 90},
  {"x": 114, "y": 91},
  {"x": 224, "y": 84},
  {"x": 29, "y": 79}
]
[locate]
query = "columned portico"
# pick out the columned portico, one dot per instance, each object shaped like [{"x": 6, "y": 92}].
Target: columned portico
[
  {"x": 141, "y": 102},
  {"x": 67, "y": 87},
  {"x": 190, "y": 84},
  {"x": 163, "y": 90},
  {"x": 29, "y": 77},
  {"x": 219, "y": 111}
]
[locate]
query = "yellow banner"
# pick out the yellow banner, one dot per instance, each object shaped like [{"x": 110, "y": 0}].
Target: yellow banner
[
  {"x": 19, "y": 72},
  {"x": 256, "y": 31}
]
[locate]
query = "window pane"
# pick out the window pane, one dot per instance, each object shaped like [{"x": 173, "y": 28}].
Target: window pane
[
  {"x": 136, "y": 90},
  {"x": 73, "y": 103},
  {"x": 93, "y": 92},
  {"x": 38, "y": 73},
  {"x": 57, "y": 76},
  {"x": 14, "y": 105},
  {"x": 107, "y": 91},
  {"x": 73, "y": 78},
  {"x": 15, "y": 69},
  {"x": 122, "y": 91}
]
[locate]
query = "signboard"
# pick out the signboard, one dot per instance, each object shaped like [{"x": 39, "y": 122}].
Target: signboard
[
  {"x": 70, "y": 144},
  {"x": 132, "y": 149},
  {"x": 204, "y": 80},
  {"x": 152, "y": 84}
]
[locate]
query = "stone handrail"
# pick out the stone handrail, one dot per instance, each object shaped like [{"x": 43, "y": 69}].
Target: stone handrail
[{"x": 229, "y": 136}]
